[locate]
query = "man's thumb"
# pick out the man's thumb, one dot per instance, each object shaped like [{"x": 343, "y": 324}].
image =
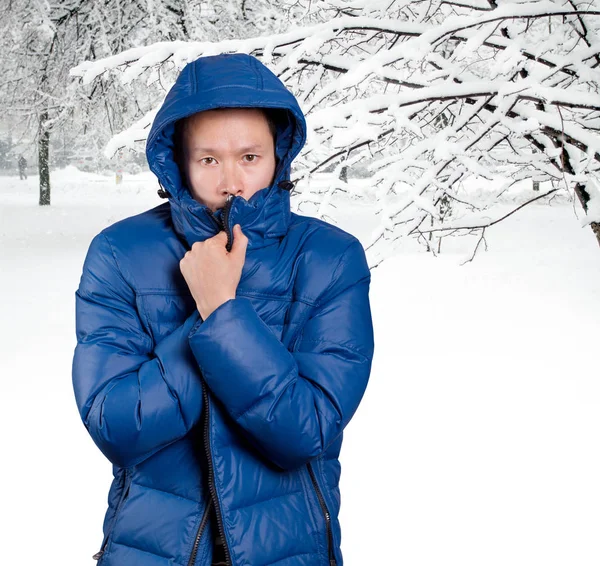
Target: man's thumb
[{"x": 240, "y": 241}]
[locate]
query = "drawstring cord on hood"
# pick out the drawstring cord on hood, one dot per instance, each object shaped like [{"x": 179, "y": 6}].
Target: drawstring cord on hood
[
  {"x": 286, "y": 185},
  {"x": 162, "y": 193}
]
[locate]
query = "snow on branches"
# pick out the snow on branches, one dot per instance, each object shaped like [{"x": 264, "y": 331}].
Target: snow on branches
[{"x": 427, "y": 97}]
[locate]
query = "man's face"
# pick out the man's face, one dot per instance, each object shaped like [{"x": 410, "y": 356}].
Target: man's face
[{"x": 227, "y": 151}]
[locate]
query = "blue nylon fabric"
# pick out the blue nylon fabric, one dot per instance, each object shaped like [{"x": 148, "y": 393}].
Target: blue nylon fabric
[{"x": 285, "y": 364}]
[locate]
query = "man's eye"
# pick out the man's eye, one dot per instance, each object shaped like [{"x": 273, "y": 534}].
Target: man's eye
[
  {"x": 250, "y": 157},
  {"x": 207, "y": 160}
]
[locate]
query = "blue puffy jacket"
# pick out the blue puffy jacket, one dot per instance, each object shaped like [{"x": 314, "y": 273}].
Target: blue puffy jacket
[{"x": 243, "y": 411}]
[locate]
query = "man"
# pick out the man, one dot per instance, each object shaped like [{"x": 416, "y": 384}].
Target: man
[
  {"x": 22, "y": 167},
  {"x": 223, "y": 342}
]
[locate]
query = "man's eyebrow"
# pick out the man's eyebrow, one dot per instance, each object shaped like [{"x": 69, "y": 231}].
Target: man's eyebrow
[{"x": 246, "y": 149}]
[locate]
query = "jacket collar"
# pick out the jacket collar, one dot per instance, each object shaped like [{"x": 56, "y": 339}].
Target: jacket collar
[{"x": 263, "y": 219}]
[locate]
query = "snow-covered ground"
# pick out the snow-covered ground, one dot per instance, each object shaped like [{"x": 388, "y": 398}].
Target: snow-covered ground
[{"x": 477, "y": 443}]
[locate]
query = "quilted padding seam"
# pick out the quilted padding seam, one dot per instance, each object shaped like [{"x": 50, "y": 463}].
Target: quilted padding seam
[
  {"x": 288, "y": 298},
  {"x": 133, "y": 287},
  {"x": 339, "y": 344},
  {"x": 171, "y": 560},
  {"x": 193, "y": 83},
  {"x": 161, "y": 291},
  {"x": 246, "y": 87},
  {"x": 280, "y": 298},
  {"x": 259, "y": 80},
  {"x": 147, "y": 319},
  {"x": 276, "y": 233},
  {"x": 290, "y": 556},
  {"x": 291, "y": 298},
  {"x": 366, "y": 278},
  {"x": 112, "y": 250},
  {"x": 335, "y": 271},
  {"x": 262, "y": 295},
  {"x": 150, "y": 452},
  {"x": 167, "y": 493},
  {"x": 242, "y": 293},
  {"x": 254, "y": 504},
  {"x": 296, "y": 337}
]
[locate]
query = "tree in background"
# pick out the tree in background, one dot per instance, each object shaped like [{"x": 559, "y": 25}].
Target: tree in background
[
  {"x": 432, "y": 95},
  {"x": 41, "y": 41}
]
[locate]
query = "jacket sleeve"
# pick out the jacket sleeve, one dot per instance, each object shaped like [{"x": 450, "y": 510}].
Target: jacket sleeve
[
  {"x": 292, "y": 405},
  {"x": 133, "y": 399}
]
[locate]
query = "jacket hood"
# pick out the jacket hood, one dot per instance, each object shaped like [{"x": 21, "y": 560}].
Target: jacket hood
[{"x": 227, "y": 81}]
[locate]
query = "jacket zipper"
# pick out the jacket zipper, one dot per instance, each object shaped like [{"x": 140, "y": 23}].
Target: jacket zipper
[
  {"x": 213, "y": 493},
  {"x": 225, "y": 218},
  {"x": 211, "y": 477},
  {"x": 199, "y": 534},
  {"x": 332, "y": 561},
  {"x": 224, "y": 223},
  {"x": 124, "y": 495}
]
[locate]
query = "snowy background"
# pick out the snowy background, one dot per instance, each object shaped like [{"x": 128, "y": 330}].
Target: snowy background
[{"x": 476, "y": 443}]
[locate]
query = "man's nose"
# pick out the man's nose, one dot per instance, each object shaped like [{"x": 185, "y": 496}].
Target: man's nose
[{"x": 231, "y": 180}]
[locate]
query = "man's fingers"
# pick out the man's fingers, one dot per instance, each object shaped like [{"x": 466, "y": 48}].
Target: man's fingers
[
  {"x": 220, "y": 239},
  {"x": 240, "y": 241}
]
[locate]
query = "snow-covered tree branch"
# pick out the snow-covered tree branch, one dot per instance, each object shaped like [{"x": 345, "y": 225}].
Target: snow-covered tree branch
[{"x": 430, "y": 95}]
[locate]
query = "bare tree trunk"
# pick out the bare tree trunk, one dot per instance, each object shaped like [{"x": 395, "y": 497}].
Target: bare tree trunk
[{"x": 43, "y": 154}]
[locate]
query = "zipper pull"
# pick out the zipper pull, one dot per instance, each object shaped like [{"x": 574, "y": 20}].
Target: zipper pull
[
  {"x": 98, "y": 555},
  {"x": 225, "y": 221}
]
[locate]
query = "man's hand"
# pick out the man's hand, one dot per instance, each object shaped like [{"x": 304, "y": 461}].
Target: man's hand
[{"x": 211, "y": 272}]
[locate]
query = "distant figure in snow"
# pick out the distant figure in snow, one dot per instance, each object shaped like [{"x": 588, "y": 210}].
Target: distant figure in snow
[{"x": 22, "y": 167}]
